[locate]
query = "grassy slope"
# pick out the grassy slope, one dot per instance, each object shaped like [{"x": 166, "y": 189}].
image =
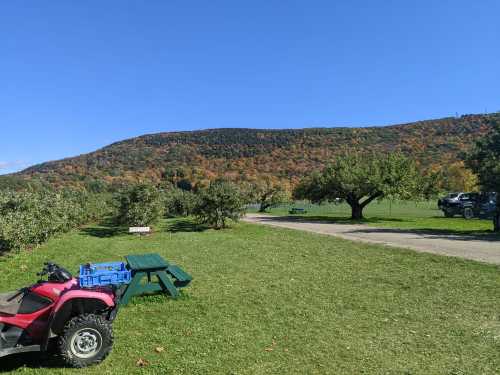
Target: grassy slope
[
  {"x": 276, "y": 301},
  {"x": 402, "y": 215}
]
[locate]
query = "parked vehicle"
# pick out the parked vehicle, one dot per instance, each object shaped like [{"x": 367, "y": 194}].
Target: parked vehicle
[
  {"x": 468, "y": 205},
  {"x": 463, "y": 204},
  {"x": 58, "y": 307},
  {"x": 488, "y": 206},
  {"x": 451, "y": 197},
  {"x": 78, "y": 313}
]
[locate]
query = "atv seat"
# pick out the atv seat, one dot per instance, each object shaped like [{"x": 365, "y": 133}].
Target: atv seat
[{"x": 10, "y": 302}]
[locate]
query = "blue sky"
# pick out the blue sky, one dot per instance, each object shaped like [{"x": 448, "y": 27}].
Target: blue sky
[{"x": 78, "y": 75}]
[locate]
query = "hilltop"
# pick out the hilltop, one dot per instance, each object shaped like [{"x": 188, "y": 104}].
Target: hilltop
[{"x": 248, "y": 154}]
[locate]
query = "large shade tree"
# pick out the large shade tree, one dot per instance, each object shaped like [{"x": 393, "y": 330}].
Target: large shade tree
[
  {"x": 269, "y": 194},
  {"x": 484, "y": 160},
  {"x": 360, "y": 179}
]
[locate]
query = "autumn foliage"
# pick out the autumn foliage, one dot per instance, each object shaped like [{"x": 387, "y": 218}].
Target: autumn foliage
[{"x": 250, "y": 155}]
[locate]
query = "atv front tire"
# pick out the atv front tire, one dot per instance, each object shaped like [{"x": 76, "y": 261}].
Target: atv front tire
[{"x": 86, "y": 340}]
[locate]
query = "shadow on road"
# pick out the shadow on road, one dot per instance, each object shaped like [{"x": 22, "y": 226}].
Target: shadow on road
[
  {"x": 486, "y": 235},
  {"x": 449, "y": 234}
]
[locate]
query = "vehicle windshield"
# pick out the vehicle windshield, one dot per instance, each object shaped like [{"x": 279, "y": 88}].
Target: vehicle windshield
[{"x": 453, "y": 195}]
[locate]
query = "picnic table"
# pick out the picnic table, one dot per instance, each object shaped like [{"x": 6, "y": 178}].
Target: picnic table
[
  {"x": 296, "y": 210},
  {"x": 159, "y": 275}
]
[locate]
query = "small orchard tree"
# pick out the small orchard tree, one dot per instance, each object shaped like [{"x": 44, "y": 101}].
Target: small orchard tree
[
  {"x": 484, "y": 160},
  {"x": 139, "y": 205},
  {"x": 360, "y": 179},
  {"x": 217, "y": 203},
  {"x": 179, "y": 202}
]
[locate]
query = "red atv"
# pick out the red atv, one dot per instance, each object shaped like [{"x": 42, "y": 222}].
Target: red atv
[{"x": 59, "y": 310}]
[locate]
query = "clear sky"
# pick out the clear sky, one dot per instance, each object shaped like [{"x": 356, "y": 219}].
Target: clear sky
[{"x": 78, "y": 75}]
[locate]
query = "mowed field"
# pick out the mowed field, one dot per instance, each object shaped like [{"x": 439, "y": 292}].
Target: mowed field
[
  {"x": 275, "y": 301},
  {"x": 399, "y": 214}
]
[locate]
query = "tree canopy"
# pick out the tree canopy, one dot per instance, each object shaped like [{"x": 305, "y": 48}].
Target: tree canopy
[
  {"x": 179, "y": 202},
  {"x": 217, "y": 203},
  {"x": 268, "y": 193},
  {"x": 360, "y": 179},
  {"x": 139, "y": 205},
  {"x": 484, "y": 160}
]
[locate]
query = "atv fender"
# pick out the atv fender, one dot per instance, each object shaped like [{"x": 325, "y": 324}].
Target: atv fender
[
  {"x": 106, "y": 298},
  {"x": 77, "y": 302}
]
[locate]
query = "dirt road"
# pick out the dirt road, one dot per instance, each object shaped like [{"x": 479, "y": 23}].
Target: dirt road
[{"x": 485, "y": 249}]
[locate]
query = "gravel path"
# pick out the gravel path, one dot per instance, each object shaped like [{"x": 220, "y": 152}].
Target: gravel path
[{"x": 485, "y": 249}]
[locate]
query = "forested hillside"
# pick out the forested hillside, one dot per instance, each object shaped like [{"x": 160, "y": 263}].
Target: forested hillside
[{"x": 249, "y": 154}]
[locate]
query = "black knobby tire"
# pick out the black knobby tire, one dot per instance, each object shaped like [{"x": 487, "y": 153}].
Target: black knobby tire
[
  {"x": 468, "y": 213},
  {"x": 86, "y": 340},
  {"x": 448, "y": 213}
]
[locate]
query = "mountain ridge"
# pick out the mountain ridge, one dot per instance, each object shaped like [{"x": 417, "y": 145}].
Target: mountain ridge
[{"x": 249, "y": 154}]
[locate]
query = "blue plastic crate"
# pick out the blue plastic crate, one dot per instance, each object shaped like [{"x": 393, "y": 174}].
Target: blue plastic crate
[{"x": 103, "y": 274}]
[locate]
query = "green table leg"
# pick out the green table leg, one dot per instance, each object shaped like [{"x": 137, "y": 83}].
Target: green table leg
[
  {"x": 132, "y": 288},
  {"x": 167, "y": 284},
  {"x": 135, "y": 288}
]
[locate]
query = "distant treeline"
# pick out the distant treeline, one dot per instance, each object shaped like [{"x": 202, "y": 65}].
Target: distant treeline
[{"x": 248, "y": 155}]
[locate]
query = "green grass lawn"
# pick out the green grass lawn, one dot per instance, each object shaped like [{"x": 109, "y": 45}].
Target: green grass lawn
[
  {"x": 274, "y": 301},
  {"x": 402, "y": 215}
]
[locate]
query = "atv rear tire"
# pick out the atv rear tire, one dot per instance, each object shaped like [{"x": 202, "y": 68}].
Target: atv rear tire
[
  {"x": 448, "y": 213},
  {"x": 86, "y": 340}
]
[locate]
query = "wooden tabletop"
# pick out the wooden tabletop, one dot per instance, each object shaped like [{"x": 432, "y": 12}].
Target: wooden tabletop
[{"x": 143, "y": 262}]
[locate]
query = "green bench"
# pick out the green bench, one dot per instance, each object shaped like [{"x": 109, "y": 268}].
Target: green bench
[
  {"x": 151, "y": 273},
  {"x": 295, "y": 211}
]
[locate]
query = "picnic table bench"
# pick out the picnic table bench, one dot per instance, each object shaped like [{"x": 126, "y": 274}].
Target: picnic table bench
[
  {"x": 296, "y": 210},
  {"x": 151, "y": 273}
]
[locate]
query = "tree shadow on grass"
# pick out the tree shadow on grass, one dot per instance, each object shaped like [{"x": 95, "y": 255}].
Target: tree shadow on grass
[
  {"x": 4, "y": 248},
  {"x": 105, "y": 229},
  {"x": 32, "y": 361},
  {"x": 186, "y": 226}
]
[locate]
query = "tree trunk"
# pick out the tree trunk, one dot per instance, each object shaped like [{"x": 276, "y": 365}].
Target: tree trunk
[
  {"x": 263, "y": 207},
  {"x": 356, "y": 211},
  {"x": 496, "y": 221},
  {"x": 264, "y": 204},
  {"x": 357, "y": 206}
]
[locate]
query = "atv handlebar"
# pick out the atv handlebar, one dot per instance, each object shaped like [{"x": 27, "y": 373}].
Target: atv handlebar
[
  {"x": 55, "y": 273},
  {"x": 48, "y": 269}
]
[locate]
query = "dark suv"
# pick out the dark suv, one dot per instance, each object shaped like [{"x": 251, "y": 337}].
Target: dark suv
[
  {"x": 468, "y": 205},
  {"x": 463, "y": 204},
  {"x": 488, "y": 205}
]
